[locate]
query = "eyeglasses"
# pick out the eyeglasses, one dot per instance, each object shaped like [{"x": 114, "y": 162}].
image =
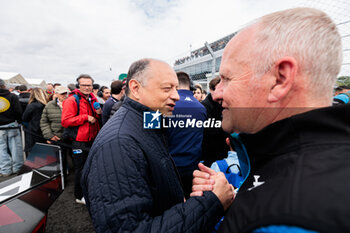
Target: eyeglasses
[{"x": 85, "y": 85}]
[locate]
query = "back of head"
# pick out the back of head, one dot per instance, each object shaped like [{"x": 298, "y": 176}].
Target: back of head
[
  {"x": 136, "y": 71},
  {"x": 71, "y": 87},
  {"x": 116, "y": 87},
  {"x": 306, "y": 34},
  {"x": 184, "y": 80},
  {"x": 39, "y": 95},
  {"x": 22, "y": 87},
  {"x": 96, "y": 86},
  {"x": 2, "y": 83},
  {"x": 212, "y": 84}
]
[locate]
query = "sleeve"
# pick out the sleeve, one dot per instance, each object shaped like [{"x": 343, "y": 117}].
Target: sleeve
[
  {"x": 119, "y": 198},
  {"x": 69, "y": 114},
  {"x": 45, "y": 124}
]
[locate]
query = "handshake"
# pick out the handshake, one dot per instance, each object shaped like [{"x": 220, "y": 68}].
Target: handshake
[{"x": 206, "y": 179}]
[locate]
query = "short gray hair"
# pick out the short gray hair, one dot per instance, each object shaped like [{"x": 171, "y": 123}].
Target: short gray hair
[
  {"x": 137, "y": 71},
  {"x": 308, "y": 35}
]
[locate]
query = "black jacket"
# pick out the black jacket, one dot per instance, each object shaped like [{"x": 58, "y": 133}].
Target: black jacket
[
  {"x": 32, "y": 116},
  {"x": 10, "y": 108},
  {"x": 214, "y": 145},
  {"x": 300, "y": 169},
  {"x": 131, "y": 184}
]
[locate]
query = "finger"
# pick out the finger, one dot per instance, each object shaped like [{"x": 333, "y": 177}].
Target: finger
[
  {"x": 198, "y": 181},
  {"x": 206, "y": 187},
  {"x": 228, "y": 143},
  {"x": 206, "y": 169},
  {"x": 196, "y": 194},
  {"x": 201, "y": 174}
]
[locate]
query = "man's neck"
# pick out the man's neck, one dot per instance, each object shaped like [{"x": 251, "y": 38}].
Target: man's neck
[{"x": 116, "y": 96}]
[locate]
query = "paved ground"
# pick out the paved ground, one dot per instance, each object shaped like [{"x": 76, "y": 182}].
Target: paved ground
[{"x": 67, "y": 216}]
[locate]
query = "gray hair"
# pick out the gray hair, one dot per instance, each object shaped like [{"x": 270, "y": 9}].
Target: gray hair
[
  {"x": 308, "y": 35},
  {"x": 137, "y": 71}
]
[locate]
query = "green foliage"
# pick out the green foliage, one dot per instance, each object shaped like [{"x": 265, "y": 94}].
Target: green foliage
[{"x": 343, "y": 80}]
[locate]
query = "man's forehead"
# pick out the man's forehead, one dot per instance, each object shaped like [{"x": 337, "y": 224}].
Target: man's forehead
[{"x": 85, "y": 80}]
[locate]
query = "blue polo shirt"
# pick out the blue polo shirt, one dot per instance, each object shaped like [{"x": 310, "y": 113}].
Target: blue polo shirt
[{"x": 185, "y": 143}]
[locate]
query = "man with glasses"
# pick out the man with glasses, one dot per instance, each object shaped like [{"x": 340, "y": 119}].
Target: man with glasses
[{"x": 82, "y": 120}]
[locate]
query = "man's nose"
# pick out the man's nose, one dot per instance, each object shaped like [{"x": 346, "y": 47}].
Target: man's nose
[
  {"x": 217, "y": 95},
  {"x": 175, "y": 95}
]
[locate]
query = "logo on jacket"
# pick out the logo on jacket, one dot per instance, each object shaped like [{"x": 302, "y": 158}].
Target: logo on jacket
[
  {"x": 151, "y": 120},
  {"x": 4, "y": 104},
  {"x": 256, "y": 183},
  {"x": 188, "y": 98}
]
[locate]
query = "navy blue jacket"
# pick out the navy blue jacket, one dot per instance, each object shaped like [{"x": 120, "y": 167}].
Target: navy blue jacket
[
  {"x": 185, "y": 144},
  {"x": 130, "y": 182},
  {"x": 107, "y": 107}
]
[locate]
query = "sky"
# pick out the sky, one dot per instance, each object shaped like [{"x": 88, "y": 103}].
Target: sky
[{"x": 58, "y": 40}]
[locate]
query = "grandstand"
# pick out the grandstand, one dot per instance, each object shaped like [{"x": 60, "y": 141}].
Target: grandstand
[{"x": 199, "y": 63}]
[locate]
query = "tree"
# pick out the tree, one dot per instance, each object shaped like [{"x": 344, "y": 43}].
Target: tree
[{"x": 343, "y": 81}]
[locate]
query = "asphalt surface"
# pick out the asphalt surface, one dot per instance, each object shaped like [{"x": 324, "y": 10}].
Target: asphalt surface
[{"x": 65, "y": 215}]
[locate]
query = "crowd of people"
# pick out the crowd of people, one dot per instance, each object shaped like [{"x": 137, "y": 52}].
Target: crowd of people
[{"x": 279, "y": 161}]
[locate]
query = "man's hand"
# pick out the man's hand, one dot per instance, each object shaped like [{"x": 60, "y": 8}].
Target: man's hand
[
  {"x": 55, "y": 138},
  {"x": 208, "y": 180},
  {"x": 91, "y": 119},
  {"x": 223, "y": 190},
  {"x": 202, "y": 180}
]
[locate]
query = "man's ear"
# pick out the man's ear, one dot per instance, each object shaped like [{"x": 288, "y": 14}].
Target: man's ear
[
  {"x": 134, "y": 87},
  {"x": 284, "y": 75}
]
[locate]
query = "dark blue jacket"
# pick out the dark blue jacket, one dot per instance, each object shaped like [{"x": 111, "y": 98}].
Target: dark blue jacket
[
  {"x": 107, "y": 107},
  {"x": 130, "y": 182},
  {"x": 185, "y": 144}
]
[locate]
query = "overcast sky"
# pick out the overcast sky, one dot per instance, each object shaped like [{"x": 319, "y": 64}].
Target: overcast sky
[{"x": 58, "y": 40}]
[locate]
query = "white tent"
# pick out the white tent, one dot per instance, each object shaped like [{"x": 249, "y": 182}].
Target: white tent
[{"x": 13, "y": 78}]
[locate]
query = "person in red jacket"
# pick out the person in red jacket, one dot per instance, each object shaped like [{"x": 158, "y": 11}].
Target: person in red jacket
[{"x": 83, "y": 126}]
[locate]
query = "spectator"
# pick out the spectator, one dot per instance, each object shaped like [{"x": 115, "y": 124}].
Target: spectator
[
  {"x": 185, "y": 144},
  {"x": 71, "y": 87},
  {"x": 23, "y": 96},
  {"x": 95, "y": 89},
  {"x": 213, "y": 146},
  {"x": 117, "y": 105},
  {"x": 32, "y": 116},
  {"x": 117, "y": 94},
  {"x": 50, "y": 123},
  {"x": 198, "y": 93},
  {"x": 80, "y": 116},
  {"x": 11, "y": 153},
  {"x": 103, "y": 94},
  {"x": 272, "y": 74},
  {"x": 129, "y": 180},
  {"x": 50, "y": 91}
]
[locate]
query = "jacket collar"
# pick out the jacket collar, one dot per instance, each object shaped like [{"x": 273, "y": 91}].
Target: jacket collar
[
  {"x": 140, "y": 108},
  {"x": 316, "y": 127}
]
